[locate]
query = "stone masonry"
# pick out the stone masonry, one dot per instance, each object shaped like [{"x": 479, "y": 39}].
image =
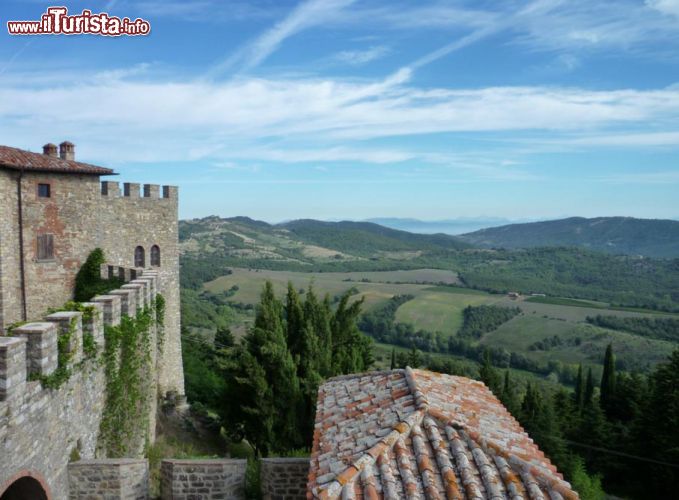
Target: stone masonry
[
  {"x": 82, "y": 214},
  {"x": 113, "y": 479},
  {"x": 41, "y": 429},
  {"x": 203, "y": 479},
  {"x": 284, "y": 478}
]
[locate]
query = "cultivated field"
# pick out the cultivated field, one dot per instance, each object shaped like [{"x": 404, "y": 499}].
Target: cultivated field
[{"x": 439, "y": 308}]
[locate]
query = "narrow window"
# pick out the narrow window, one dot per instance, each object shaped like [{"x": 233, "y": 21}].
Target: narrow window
[
  {"x": 44, "y": 191},
  {"x": 139, "y": 258},
  {"x": 46, "y": 247},
  {"x": 155, "y": 255}
]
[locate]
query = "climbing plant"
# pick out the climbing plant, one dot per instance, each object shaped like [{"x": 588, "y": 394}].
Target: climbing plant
[
  {"x": 160, "y": 321},
  {"x": 64, "y": 355},
  {"x": 127, "y": 367},
  {"x": 88, "y": 281}
]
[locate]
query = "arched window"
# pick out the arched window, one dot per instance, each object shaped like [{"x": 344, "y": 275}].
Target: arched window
[
  {"x": 155, "y": 255},
  {"x": 139, "y": 257}
]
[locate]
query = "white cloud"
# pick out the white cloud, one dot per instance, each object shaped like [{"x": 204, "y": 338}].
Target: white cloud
[
  {"x": 306, "y": 15},
  {"x": 358, "y": 57},
  {"x": 148, "y": 120},
  {"x": 670, "y": 7}
]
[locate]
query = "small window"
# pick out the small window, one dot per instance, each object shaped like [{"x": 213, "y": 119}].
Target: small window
[
  {"x": 46, "y": 247},
  {"x": 139, "y": 257},
  {"x": 44, "y": 191},
  {"x": 155, "y": 256}
]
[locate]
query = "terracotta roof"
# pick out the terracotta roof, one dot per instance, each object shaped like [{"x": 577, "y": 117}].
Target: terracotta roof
[
  {"x": 417, "y": 434},
  {"x": 37, "y": 162}
]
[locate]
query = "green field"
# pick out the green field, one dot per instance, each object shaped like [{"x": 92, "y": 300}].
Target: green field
[
  {"x": 374, "y": 287},
  {"x": 439, "y": 311},
  {"x": 437, "y": 308}
]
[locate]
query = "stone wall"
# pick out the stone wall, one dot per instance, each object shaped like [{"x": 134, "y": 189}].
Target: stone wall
[
  {"x": 42, "y": 429},
  {"x": 113, "y": 479},
  {"x": 83, "y": 214},
  {"x": 204, "y": 479},
  {"x": 284, "y": 478}
]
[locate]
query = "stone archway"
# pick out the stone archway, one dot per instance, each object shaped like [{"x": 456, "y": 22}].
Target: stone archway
[{"x": 25, "y": 486}]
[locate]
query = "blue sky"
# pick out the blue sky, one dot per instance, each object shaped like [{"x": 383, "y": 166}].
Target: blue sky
[{"x": 355, "y": 109}]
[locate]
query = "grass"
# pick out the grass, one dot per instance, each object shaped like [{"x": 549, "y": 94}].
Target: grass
[
  {"x": 377, "y": 288},
  {"x": 518, "y": 334},
  {"x": 439, "y": 311}
]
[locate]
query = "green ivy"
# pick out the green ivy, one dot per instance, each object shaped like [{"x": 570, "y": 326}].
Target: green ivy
[
  {"x": 88, "y": 281},
  {"x": 63, "y": 371},
  {"x": 127, "y": 366},
  {"x": 160, "y": 320}
]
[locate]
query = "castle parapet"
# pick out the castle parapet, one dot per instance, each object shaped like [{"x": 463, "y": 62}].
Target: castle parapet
[
  {"x": 41, "y": 347},
  {"x": 12, "y": 367},
  {"x": 131, "y": 189},
  {"x": 94, "y": 323},
  {"x": 111, "y": 189},
  {"x": 111, "y": 307},
  {"x": 32, "y": 349},
  {"x": 70, "y": 324}
]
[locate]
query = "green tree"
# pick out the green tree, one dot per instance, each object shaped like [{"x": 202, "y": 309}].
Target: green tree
[
  {"x": 579, "y": 394},
  {"x": 489, "y": 375},
  {"x": 607, "y": 395},
  {"x": 508, "y": 395},
  {"x": 224, "y": 338},
  {"x": 392, "y": 365},
  {"x": 414, "y": 358},
  {"x": 588, "y": 395}
]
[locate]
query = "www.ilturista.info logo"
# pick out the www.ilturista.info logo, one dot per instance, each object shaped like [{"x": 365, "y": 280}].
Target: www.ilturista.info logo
[{"x": 56, "y": 21}]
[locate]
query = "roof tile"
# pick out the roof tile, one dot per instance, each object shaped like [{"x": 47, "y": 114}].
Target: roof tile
[
  {"x": 19, "y": 159},
  {"x": 418, "y": 434}
]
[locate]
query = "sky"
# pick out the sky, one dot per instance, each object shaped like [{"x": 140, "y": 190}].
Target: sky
[{"x": 350, "y": 109}]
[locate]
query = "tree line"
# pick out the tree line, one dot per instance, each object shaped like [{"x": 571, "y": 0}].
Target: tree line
[{"x": 655, "y": 328}]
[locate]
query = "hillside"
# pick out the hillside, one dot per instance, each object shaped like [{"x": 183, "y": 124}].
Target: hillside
[
  {"x": 616, "y": 235},
  {"x": 211, "y": 246}
]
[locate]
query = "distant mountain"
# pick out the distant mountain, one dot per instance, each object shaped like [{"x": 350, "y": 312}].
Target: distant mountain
[
  {"x": 447, "y": 226},
  {"x": 617, "y": 235},
  {"x": 306, "y": 241}
]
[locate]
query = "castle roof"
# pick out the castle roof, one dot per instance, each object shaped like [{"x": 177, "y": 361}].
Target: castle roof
[
  {"x": 19, "y": 159},
  {"x": 418, "y": 434}
]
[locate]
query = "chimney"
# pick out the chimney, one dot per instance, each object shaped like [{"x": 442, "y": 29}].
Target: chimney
[
  {"x": 50, "y": 149},
  {"x": 67, "y": 150}
]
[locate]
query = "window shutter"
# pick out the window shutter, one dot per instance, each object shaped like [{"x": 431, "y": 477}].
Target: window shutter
[{"x": 45, "y": 247}]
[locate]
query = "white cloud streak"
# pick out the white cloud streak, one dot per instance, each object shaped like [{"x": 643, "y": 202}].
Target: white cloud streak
[
  {"x": 151, "y": 120},
  {"x": 306, "y": 15}
]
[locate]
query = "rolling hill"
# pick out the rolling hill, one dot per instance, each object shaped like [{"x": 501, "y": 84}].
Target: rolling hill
[{"x": 616, "y": 235}]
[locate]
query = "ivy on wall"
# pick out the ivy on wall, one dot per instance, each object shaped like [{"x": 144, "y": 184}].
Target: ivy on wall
[{"x": 127, "y": 365}]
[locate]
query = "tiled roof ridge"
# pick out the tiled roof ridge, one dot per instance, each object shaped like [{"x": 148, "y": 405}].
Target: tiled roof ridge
[
  {"x": 350, "y": 376},
  {"x": 529, "y": 472},
  {"x": 18, "y": 159},
  {"x": 420, "y": 399},
  {"x": 370, "y": 456}
]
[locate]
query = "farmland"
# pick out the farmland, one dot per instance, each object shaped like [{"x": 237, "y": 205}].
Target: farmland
[{"x": 438, "y": 308}]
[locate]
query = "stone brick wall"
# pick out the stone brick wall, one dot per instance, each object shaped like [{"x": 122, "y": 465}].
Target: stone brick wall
[
  {"x": 41, "y": 428},
  {"x": 81, "y": 215},
  {"x": 112, "y": 479},
  {"x": 284, "y": 478},
  {"x": 204, "y": 479}
]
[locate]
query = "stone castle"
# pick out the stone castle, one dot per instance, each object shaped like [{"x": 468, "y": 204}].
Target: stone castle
[{"x": 54, "y": 211}]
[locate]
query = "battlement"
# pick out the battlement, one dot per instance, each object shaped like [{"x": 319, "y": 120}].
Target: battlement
[
  {"x": 111, "y": 189},
  {"x": 31, "y": 350}
]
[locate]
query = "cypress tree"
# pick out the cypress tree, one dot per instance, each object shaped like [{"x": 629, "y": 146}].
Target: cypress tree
[
  {"x": 579, "y": 394},
  {"x": 294, "y": 322},
  {"x": 589, "y": 389},
  {"x": 607, "y": 396},
  {"x": 489, "y": 375},
  {"x": 393, "y": 359}
]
